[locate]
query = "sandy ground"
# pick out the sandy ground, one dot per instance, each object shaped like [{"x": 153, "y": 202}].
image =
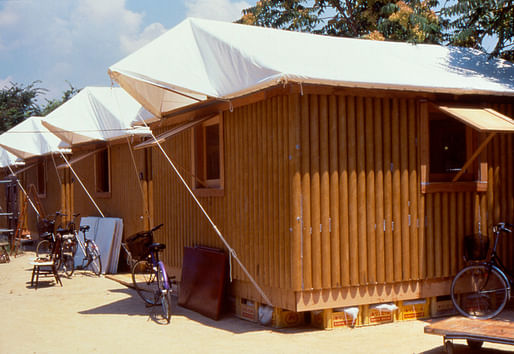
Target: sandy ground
[{"x": 90, "y": 314}]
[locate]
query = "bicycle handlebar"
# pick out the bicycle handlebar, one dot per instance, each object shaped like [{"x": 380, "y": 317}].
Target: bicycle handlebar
[
  {"x": 156, "y": 228},
  {"x": 503, "y": 226}
]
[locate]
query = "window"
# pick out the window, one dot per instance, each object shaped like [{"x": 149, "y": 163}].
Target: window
[
  {"x": 41, "y": 179},
  {"x": 102, "y": 172},
  {"x": 208, "y": 157},
  {"x": 450, "y": 141},
  {"x": 447, "y": 145}
]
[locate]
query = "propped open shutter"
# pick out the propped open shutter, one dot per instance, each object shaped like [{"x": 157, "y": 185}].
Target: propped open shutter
[{"x": 481, "y": 119}]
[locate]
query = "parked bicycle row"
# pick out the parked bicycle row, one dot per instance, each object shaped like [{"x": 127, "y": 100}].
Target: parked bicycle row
[
  {"x": 60, "y": 245},
  {"x": 58, "y": 249}
]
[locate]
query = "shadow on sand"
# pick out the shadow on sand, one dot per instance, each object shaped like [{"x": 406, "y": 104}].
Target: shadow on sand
[{"x": 134, "y": 306}]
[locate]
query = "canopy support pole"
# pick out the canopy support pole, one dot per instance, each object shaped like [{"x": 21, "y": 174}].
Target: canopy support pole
[
  {"x": 230, "y": 249},
  {"x": 83, "y": 187}
]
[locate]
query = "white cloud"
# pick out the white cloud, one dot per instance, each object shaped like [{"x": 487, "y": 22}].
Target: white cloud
[
  {"x": 222, "y": 10},
  {"x": 68, "y": 40},
  {"x": 131, "y": 43}
]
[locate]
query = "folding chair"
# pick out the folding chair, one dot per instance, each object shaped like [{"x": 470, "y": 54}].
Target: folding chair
[{"x": 47, "y": 264}]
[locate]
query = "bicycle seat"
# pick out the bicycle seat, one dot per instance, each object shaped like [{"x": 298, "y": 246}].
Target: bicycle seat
[
  {"x": 84, "y": 228},
  {"x": 157, "y": 246},
  {"x": 62, "y": 231},
  {"x": 46, "y": 235}
]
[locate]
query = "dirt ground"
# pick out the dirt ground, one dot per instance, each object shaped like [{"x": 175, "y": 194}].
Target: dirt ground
[{"x": 90, "y": 314}]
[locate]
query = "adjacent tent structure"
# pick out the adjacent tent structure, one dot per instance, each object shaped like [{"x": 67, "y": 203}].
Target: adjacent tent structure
[
  {"x": 98, "y": 114},
  {"x": 32, "y": 142},
  {"x": 30, "y": 139},
  {"x": 8, "y": 159},
  {"x": 100, "y": 122},
  {"x": 202, "y": 60},
  {"x": 343, "y": 172}
]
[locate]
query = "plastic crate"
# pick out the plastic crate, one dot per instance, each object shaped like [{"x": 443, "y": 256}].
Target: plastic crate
[
  {"x": 247, "y": 309},
  {"x": 284, "y": 318},
  {"x": 348, "y": 317},
  {"x": 442, "y": 306},
  {"x": 413, "y": 309},
  {"x": 379, "y": 314}
]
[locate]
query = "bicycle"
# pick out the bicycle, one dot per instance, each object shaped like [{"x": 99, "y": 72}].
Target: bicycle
[
  {"x": 91, "y": 253},
  {"x": 481, "y": 290},
  {"x": 149, "y": 275},
  {"x": 67, "y": 246}
]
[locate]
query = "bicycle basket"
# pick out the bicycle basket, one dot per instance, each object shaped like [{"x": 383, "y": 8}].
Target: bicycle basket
[
  {"x": 138, "y": 245},
  {"x": 45, "y": 226},
  {"x": 476, "y": 247}
]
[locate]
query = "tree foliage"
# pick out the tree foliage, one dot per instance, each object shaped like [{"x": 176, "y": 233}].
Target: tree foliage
[
  {"x": 473, "y": 22},
  {"x": 469, "y": 23},
  {"x": 17, "y": 103},
  {"x": 407, "y": 20}
]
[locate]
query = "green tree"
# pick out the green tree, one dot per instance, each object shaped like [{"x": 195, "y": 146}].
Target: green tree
[
  {"x": 471, "y": 23},
  {"x": 18, "y": 102},
  {"x": 407, "y": 20}
]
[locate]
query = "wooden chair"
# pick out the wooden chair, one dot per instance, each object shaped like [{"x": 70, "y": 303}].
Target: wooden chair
[{"x": 47, "y": 264}]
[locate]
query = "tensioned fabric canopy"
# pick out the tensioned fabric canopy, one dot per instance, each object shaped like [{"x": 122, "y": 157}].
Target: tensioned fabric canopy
[
  {"x": 8, "y": 159},
  {"x": 30, "y": 138},
  {"x": 98, "y": 114},
  {"x": 203, "y": 59}
]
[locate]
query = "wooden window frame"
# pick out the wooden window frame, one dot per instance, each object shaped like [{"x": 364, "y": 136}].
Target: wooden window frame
[
  {"x": 474, "y": 139},
  {"x": 39, "y": 193},
  {"x": 103, "y": 194},
  {"x": 211, "y": 188}
]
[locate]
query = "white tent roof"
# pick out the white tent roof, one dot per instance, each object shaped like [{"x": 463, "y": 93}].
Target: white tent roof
[
  {"x": 8, "y": 159},
  {"x": 202, "y": 58},
  {"x": 30, "y": 138},
  {"x": 98, "y": 113}
]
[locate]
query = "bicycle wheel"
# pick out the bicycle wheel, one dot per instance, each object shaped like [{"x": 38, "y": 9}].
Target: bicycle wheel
[
  {"x": 166, "y": 305},
  {"x": 165, "y": 291},
  {"x": 68, "y": 265},
  {"x": 480, "y": 291},
  {"x": 146, "y": 283},
  {"x": 93, "y": 263},
  {"x": 70, "y": 246},
  {"x": 44, "y": 249}
]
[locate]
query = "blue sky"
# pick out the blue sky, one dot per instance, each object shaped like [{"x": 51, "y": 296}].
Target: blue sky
[{"x": 55, "y": 41}]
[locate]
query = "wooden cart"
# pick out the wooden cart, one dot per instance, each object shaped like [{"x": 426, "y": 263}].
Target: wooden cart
[{"x": 497, "y": 330}]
